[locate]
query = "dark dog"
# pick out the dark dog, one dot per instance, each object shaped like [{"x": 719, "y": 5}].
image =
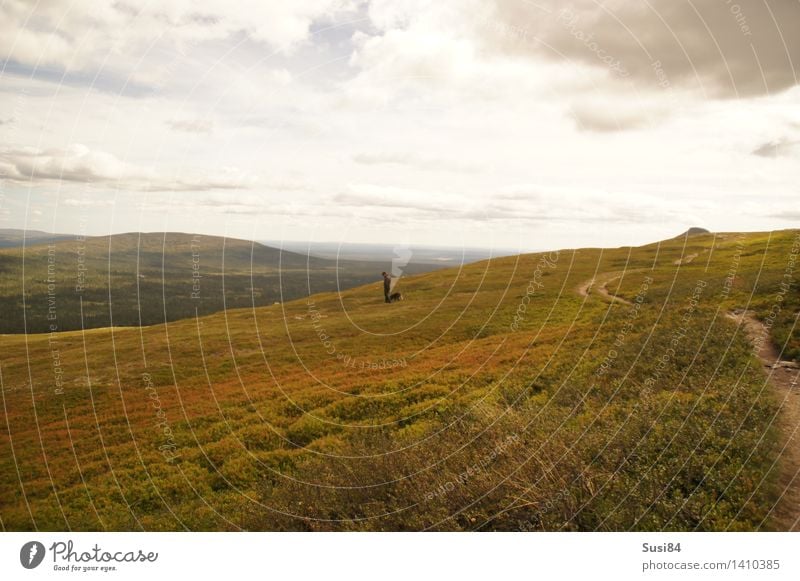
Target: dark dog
[{"x": 395, "y": 297}]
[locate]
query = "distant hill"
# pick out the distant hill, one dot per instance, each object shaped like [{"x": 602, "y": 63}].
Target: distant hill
[
  {"x": 693, "y": 231},
  {"x": 144, "y": 279},
  {"x": 10, "y": 237}
]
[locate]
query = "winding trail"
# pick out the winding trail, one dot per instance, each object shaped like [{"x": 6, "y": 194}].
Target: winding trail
[
  {"x": 785, "y": 377},
  {"x": 599, "y": 284},
  {"x": 686, "y": 259}
]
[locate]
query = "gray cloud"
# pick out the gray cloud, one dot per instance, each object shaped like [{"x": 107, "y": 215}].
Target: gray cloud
[
  {"x": 102, "y": 80},
  {"x": 723, "y": 48},
  {"x": 601, "y": 119},
  {"x": 789, "y": 215},
  {"x": 783, "y": 147}
]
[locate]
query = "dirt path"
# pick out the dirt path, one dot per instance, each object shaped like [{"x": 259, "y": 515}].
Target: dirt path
[
  {"x": 599, "y": 285},
  {"x": 686, "y": 259},
  {"x": 784, "y": 375}
]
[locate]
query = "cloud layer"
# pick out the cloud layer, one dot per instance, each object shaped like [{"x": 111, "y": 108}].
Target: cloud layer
[
  {"x": 81, "y": 34},
  {"x": 78, "y": 164},
  {"x": 557, "y": 123},
  {"x": 726, "y": 48}
]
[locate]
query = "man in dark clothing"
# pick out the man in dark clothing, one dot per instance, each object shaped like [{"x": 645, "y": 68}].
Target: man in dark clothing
[{"x": 387, "y": 286}]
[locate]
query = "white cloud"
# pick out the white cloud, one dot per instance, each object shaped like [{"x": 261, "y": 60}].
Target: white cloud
[
  {"x": 191, "y": 125},
  {"x": 79, "y": 164},
  {"x": 415, "y": 161},
  {"x": 83, "y": 34},
  {"x": 281, "y": 76},
  {"x": 396, "y": 198},
  {"x": 76, "y": 163},
  {"x": 440, "y": 47}
]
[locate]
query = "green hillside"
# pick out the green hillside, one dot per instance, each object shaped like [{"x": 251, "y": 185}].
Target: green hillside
[
  {"x": 509, "y": 394},
  {"x": 145, "y": 279}
]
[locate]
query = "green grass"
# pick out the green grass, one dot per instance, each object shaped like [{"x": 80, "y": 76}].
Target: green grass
[{"x": 442, "y": 412}]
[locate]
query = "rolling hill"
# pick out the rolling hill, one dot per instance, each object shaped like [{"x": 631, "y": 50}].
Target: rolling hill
[
  {"x": 12, "y": 237},
  {"x": 143, "y": 279},
  {"x": 592, "y": 389}
]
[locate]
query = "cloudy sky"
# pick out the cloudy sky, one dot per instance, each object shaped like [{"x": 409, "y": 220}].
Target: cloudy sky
[{"x": 506, "y": 123}]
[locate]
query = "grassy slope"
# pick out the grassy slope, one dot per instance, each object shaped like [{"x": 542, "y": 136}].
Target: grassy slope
[
  {"x": 569, "y": 421},
  {"x": 120, "y": 269}
]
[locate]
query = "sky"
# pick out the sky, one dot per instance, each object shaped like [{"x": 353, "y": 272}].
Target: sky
[{"x": 478, "y": 123}]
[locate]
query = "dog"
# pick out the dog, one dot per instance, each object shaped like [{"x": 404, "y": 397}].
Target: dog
[{"x": 395, "y": 297}]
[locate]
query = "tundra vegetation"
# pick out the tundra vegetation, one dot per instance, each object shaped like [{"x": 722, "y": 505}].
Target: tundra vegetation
[{"x": 521, "y": 404}]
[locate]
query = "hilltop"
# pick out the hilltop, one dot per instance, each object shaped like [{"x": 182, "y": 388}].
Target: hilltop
[
  {"x": 509, "y": 394},
  {"x": 693, "y": 231}
]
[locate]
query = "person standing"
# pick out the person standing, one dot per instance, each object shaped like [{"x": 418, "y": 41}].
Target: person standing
[{"x": 387, "y": 286}]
